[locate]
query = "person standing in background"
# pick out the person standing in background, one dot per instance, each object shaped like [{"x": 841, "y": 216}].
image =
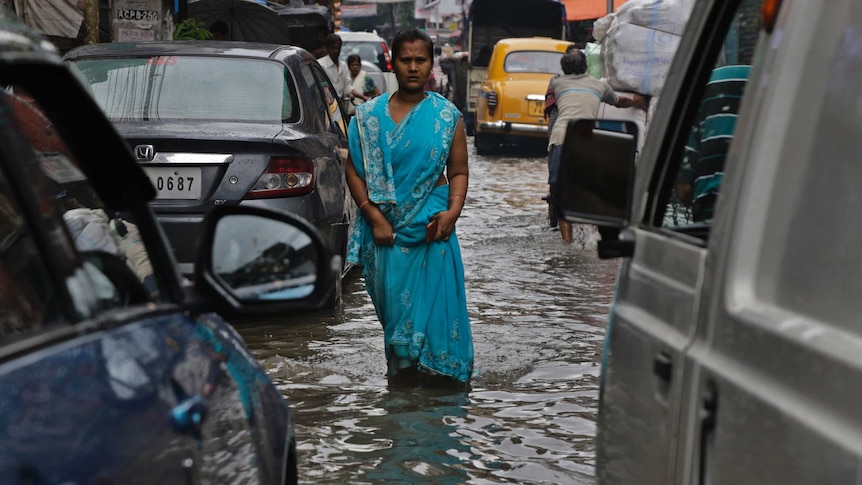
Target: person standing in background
[
  {"x": 336, "y": 70},
  {"x": 699, "y": 179},
  {"x": 408, "y": 175},
  {"x": 550, "y": 101},
  {"x": 361, "y": 83}
]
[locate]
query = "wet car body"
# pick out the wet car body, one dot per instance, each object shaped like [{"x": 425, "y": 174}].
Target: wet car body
[
  {"x": 511, "y": 100},
  {"x": 116, "y": 372},
  {"x": 233, "y": 153}
]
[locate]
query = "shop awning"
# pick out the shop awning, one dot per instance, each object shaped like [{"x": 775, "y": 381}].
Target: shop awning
[{"x": 588, "y": 9}]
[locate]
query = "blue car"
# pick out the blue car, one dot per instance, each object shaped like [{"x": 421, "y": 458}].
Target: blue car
[{"x": 114, "y": 368}]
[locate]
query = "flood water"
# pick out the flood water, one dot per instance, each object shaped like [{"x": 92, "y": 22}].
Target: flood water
[{"x": 538, "y": 310}]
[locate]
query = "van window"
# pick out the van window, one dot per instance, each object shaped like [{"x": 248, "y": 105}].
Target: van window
[{"x": 697, "y": 179}]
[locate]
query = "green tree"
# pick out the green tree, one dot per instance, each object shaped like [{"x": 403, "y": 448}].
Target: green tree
[{"x": 191, "y": 29}]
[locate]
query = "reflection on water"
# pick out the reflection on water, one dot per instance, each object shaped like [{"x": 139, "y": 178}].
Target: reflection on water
[{"x": 538, "y": 310}]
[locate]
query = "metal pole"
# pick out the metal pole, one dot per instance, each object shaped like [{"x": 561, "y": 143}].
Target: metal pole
[
  {"x": 610, "y": 6},
  {"x": 91, "y": 22}
]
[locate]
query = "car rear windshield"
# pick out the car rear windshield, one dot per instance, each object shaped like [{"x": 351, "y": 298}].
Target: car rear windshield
[
  {"x": 533, "y": 61},
  {"x": 367, "y": 50},
  {"x": 190, "y": 88}
]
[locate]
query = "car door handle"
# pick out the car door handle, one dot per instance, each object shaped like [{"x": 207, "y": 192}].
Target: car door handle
[
  {"x": 662, "y": 366},
  {"x": 707, "y": 415},
  {"x": 188, "y": 416}
]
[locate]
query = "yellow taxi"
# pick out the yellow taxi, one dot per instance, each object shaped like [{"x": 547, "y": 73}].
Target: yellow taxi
[{"x": 510, "y": 105}]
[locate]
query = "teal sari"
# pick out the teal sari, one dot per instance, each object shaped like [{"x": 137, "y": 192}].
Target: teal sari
[{"x": 417, "y": 288}]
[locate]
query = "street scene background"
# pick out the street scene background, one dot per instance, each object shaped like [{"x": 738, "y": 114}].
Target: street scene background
[{"x": 538, "y": 310}]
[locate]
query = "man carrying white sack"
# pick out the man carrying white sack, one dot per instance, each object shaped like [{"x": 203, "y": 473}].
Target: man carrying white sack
[{"x": 578, "y": 96}]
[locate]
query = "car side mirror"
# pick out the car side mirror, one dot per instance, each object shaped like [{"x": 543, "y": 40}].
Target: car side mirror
[
  {"x": 261, "y": 261},
  {"x": 596, "y": 179}
]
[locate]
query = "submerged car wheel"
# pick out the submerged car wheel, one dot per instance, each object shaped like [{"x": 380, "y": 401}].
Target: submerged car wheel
[{"x": 485, "y": 143}]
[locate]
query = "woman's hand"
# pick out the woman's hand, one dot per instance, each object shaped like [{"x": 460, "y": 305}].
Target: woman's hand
[
  {"x": 383, "y": 233},
  {"x": 445, "y": 224}
]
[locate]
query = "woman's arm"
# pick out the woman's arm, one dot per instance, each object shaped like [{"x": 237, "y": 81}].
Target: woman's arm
[
  {"x": 382, "y": 228},
  {"x": 457, "y": 173}
]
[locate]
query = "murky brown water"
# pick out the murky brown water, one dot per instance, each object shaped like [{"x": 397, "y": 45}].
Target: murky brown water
[{"x": 538, "y": 310}]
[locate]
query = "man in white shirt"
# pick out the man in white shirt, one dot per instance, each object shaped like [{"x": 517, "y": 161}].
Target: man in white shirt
[{"x": 337, "y": 70}]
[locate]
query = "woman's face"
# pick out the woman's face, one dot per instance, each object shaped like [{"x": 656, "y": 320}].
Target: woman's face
[
  {"x": 412, "y": 65},
  {"x": 354, "y": 67}
]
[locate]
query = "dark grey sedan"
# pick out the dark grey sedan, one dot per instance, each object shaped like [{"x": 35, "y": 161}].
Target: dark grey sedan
[{"x": 225, "y": 123}]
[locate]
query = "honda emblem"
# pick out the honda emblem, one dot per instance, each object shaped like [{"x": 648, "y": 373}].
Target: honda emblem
[{"x": 145, "y": 153}]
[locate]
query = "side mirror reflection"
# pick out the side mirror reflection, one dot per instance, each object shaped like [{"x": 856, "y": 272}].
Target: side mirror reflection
[{"x": 261, "y": 258}]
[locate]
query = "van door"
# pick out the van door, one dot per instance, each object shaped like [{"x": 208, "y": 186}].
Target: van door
[
  {"x": 780, "y": 352},
  {"x": 655, "y": 315}
]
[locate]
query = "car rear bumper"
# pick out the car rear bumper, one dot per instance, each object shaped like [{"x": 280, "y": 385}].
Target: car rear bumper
[{"x": 509, "y": 128}]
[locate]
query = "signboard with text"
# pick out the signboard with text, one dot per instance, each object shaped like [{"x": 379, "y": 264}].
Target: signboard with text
[
  {"x": 359, "y": 10},
  {"x": 141, "y": 20}
]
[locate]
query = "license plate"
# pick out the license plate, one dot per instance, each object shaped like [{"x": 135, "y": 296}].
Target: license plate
[
  {"x": 537, "y": 108},
  {"x": 175, "y": 182}
]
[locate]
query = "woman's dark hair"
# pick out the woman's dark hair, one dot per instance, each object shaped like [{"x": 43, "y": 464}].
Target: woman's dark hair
[
  {"x": 354, "y": 58},
  {"x": 574, "y": 62},
  {"x": 408, "y": 35}
]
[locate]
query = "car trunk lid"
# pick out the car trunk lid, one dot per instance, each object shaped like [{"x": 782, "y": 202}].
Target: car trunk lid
[{"x": 195, "y": 166}]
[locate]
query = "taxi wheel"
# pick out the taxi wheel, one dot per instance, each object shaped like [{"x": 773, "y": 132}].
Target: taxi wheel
[{"x": 485, "y": 144}]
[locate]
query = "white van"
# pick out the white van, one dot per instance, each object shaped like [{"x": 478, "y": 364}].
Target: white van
[
  {"x": 373, "y": 50},
  {"x": 734, "y": 346}
]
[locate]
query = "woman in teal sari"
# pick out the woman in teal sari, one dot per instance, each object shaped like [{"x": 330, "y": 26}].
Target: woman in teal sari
[{"x": 408, "y": 167}]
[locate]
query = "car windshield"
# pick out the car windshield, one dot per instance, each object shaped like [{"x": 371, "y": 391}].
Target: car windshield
[
  {"x": 533, "y": 61},
  {"x": 190, "y": 88}
]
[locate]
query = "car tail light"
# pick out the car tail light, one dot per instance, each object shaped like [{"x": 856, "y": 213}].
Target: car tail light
[
  {"x": 387, "y": 57},
  {"x": 284, "y": 177},
  {"x": 492, "y": 101}
]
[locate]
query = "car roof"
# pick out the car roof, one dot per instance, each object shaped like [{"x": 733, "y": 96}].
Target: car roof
[
  {"x": 524, "y": 43},
  {"x": 187, "y": 47},
  {"x": 354, "y": 36}
]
